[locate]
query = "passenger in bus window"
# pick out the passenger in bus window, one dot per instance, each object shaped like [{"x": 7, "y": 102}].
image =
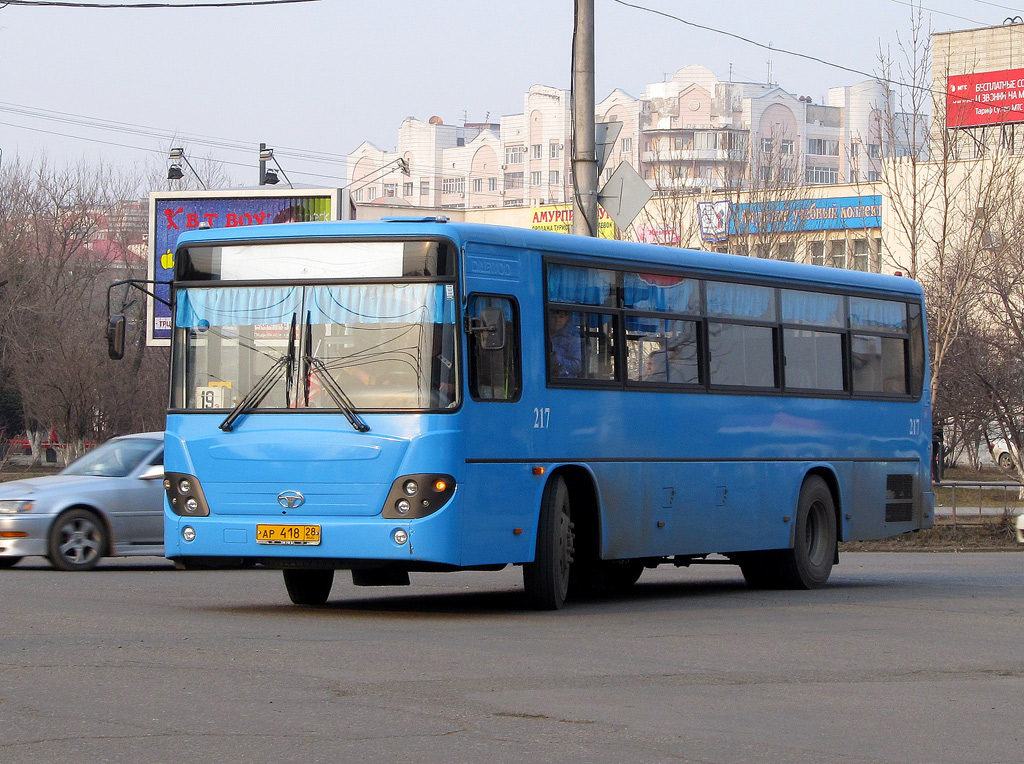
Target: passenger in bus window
[{"x": 564, "y": 341}]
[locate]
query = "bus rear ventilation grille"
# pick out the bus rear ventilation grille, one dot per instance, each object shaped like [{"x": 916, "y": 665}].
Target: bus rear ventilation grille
[{"x": 899, "y": 499}]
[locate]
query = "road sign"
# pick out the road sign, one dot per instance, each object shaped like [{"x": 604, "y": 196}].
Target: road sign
[
  {"x": 624, "y": 195},
  {"x": 605, "y": 135}
]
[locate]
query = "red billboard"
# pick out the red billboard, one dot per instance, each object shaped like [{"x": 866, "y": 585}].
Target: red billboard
[{"x": 985, "y": 98}]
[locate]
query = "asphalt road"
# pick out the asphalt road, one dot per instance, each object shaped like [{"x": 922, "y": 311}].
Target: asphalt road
[{"x": 902, "y": 658}]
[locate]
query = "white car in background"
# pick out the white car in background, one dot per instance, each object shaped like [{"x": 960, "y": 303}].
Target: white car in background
[
  {"x": 1002, "y": 454},
  {"x": 108, "y": 503},
  {"x": 1020, "y": 528}
]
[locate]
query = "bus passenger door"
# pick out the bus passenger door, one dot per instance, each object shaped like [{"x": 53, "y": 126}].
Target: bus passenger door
[{"x": 496, "y": 500}]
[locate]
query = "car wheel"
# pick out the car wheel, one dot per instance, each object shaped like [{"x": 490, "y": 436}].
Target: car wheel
[
  {"x": 9, "y": 562},
  {"x": 77, "y": 541},
  {"x": 309, "y": 587},
  {"x": 1006, "y": 461}
]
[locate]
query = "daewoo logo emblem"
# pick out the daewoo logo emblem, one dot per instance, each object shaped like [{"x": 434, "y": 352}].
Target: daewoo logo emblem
[{"x": 290, "y": 499}]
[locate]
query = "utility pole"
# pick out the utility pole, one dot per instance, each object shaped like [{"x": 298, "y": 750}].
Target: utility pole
[
  {"x": 263, "y": 165},
  {"x": 584, "y": 149}
]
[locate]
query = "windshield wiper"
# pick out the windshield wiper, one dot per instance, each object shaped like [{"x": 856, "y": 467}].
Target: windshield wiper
[
  {"x": 252, "y": 399},
  {"x": 255, "y": 396},
  {"x": 290, "y": 374},
  {"x": 328, "y": 382}
]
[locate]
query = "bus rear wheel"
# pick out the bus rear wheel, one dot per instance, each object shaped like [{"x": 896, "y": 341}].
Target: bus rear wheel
[
  {"x": 546, "y": 579},
  {"x": 808, "y": 564},
  {"x": 309, "y": 587}
]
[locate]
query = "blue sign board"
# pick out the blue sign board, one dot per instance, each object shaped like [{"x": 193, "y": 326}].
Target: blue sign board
[{"x": 835, "y": 214}]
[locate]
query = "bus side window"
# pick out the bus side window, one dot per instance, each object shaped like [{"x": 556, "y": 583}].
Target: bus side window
[{"x": 494, "y": 372}]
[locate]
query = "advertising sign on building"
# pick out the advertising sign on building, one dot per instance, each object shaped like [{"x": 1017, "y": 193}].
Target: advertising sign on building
[
  {"x": 171, "y": 213},
  {"x": 835, "y": 214},
  {"x": 559, "y": 219},
  {"x": 713, "y": 219},
  {"x": 985, "y": 98}
]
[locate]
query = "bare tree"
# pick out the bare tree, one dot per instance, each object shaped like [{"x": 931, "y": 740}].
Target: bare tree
[
  {"x": 52, "y": 321},
  {"x": 770, "y": 206},
  {"x": 944, "y": 193}
]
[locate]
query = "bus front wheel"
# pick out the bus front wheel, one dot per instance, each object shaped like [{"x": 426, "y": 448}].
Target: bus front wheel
[
  {"x": 546, "y": 579},
  {"x": 308, "y": 587}
]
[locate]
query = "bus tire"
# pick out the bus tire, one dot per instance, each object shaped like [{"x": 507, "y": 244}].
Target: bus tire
[
  {"x": 309, "y": 587},
  {"x": 808, "y": 564},
  {"x": 546, "y": 579}
]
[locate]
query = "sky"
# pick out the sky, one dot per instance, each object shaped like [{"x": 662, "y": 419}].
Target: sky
[{"x": 313, "y": 80}]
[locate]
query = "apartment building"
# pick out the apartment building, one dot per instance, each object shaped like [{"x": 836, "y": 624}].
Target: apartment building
[{"x": 692, "y": 133}]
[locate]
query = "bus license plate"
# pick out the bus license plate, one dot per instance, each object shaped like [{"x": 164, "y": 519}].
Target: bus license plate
[{"x": 298, "y": 535}]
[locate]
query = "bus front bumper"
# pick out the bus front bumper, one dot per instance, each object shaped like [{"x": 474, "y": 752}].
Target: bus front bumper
[{"x": 343, "y": 542}]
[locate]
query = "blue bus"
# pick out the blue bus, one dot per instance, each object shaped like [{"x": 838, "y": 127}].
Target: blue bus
[{"x": 414, "y": 395}]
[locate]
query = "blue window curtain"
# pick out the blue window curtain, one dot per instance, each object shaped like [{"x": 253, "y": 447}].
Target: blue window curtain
[
  {"x": 583, "y": 286},
  {"x": 879, "y": 315},
  {"x": 370, "y": 303},
  {"x": 741, "y": 301},
  {"x": 812, "y": 308},
  {"x": 242, "y": 306},
  {"x": 651, "y": 291},
  {"x": 381, "y": 303}
]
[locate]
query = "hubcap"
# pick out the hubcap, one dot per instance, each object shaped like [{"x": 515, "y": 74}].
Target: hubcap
[{"x": 79, "y": 542}]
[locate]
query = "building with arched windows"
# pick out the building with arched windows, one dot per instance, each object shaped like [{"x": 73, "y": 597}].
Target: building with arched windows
[{"x": 692, "y": 133}]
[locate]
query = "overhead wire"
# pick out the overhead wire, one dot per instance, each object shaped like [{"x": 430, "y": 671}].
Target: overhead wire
[
  {"x": 871, "y": 75},
  {"x": 941, "y": 13},
  {"x": 148, "y": 6},
  {"x": 333, "y": 158}
]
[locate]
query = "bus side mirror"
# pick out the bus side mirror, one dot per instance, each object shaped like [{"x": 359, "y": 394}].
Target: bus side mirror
[
  {"x": 489, "y": 328},
  {"x": 115, "y": 337}
]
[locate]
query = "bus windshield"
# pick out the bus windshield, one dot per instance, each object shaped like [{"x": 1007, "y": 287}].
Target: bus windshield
[{"x": 387, "y": 346}]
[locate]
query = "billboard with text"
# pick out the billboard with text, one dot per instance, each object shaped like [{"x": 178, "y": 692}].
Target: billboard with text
[
  {"x": 171, "y": 213},
  {"x": 985, "y": 98}
]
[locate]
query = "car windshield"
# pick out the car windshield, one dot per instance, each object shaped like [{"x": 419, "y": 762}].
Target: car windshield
[{"x": 115, "y": 458}]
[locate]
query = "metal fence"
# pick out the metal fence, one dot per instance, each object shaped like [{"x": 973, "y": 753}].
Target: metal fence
[{"x": 962, "y": 491}]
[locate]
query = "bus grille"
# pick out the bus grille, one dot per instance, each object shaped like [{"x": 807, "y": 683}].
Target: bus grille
[{"x": 899, "y": 499}]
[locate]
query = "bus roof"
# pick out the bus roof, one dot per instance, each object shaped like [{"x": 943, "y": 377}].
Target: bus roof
[{"x": 612, "y": 252}]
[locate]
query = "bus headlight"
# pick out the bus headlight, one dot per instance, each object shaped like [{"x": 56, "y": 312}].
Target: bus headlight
[
  {"x": 400, "y": 536},
  {"x": 188, "y": 533},
  {"x": 185, "y": 495},
  {"x": 415, "y": 496}
]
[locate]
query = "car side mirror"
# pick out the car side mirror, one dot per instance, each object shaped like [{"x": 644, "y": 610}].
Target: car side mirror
[
  {"x": 153, "y": 472},
  {"x": 115, "y": 337}
]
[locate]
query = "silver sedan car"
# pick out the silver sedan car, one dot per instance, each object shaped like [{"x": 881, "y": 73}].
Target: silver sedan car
[{"x": 108, "y": 503}]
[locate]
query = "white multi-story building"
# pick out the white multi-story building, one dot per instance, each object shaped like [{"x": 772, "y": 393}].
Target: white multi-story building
[{"x": 692, "y": 133}]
